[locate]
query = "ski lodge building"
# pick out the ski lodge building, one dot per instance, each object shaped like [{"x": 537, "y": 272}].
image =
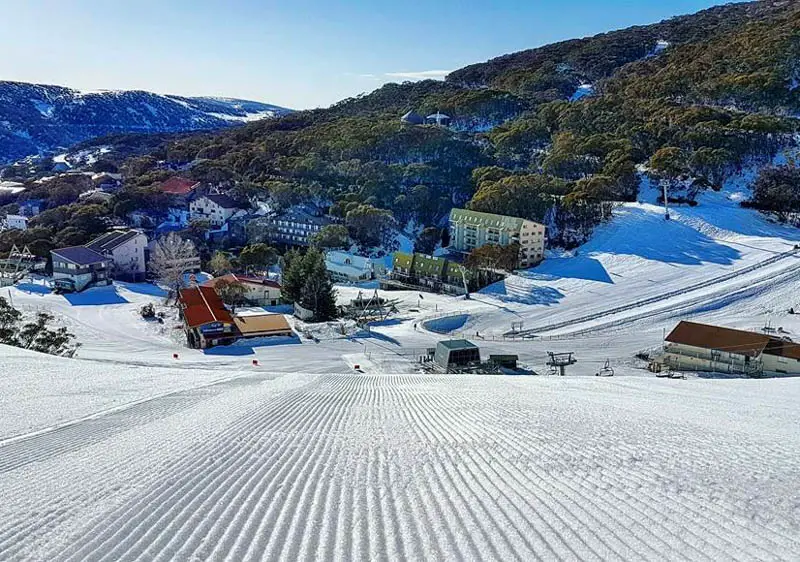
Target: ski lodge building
[
  {"x": 258, "y": 291},
  {"x": 473, "y": 229},
  {"x": 78, "y": 267},
  {"x": 702, "y": 347},
  {"x": 206, "y": 321}
]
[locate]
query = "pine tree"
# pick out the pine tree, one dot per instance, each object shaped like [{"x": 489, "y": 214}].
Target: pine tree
[
  {"x": 318, "y": 294},
  {"x": 306, "y": 282}
]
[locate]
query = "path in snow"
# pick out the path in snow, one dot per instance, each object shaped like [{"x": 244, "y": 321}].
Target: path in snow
[{"x": 427, "y": 467}]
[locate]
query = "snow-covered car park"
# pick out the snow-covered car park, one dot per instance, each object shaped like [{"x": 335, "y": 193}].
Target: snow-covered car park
[{"x": 129, "y": 453}]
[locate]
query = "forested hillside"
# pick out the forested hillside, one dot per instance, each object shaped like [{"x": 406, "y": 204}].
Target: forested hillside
[{"x": 689, "y": 101}]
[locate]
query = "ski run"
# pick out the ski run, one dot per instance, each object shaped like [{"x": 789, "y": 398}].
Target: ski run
[{"x": 142, "y": 449}]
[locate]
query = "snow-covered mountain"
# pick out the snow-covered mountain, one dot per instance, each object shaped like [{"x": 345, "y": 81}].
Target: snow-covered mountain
[{"x": 37, "y": 118}]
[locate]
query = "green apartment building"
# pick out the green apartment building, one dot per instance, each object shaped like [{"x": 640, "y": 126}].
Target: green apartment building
[
  {"x": 430, "y": 273},
  {"x": 473, "y": 229}
]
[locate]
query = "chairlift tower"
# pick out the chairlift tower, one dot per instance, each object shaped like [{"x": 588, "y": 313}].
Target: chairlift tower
[
  {"x": 559, "y": 362},
  {"x": 16, "y": 266},
  {"x": 664, "y": 186}
]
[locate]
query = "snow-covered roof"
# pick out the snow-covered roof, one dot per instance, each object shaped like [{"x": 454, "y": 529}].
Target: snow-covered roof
[{"x": 346, "y": 263}]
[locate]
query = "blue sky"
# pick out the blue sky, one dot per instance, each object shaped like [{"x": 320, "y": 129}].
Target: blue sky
[{"x": 295, "y": 53}]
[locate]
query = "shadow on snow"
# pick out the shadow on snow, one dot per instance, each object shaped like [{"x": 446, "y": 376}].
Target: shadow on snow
[
  {"x": 248, "y": 347},
  {"x": 148, "y": 289},
  {"x": 96, "y": 296}
]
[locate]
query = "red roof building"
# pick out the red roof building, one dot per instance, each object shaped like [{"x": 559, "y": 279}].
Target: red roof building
[
  {"x": 179, "y": 186},
  {"x": 202, "y": 305},
  {"x": 206, "y": 320}
]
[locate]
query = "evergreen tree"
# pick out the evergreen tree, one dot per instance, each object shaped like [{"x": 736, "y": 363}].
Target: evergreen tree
[
  {"x": 258, "y": 257},
  {"x": 427, "y": 240},
  {"x": 219, "y": 263},
  {"x": 9, "y": 319},
  {"x": 330, "y": 237},
  {"x": 306, "y": 282}
]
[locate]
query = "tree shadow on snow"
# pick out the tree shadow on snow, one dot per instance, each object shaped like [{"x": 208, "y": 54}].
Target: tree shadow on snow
[
  {"x": 376, "y": 336},
  {"x": 579, "y": 267},
  {"x": 532, "y": 294},
  {"x": 649, "y": 236},
  {"x": 148, "y": 289}
]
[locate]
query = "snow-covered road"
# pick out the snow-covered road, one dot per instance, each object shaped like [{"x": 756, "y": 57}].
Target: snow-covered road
[{"x": 416, "y": 467}]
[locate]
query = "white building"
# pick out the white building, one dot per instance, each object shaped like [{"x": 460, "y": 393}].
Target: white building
[
  {"x": 702, "y": 347},
  {"x": 126, "y": 250},
  {"x": 345, "y": 267},
  {"x": 292, "y": 228},
  {"x": 214, "y": 208},
  {"x": 473, "y": 229},
  {"x": 17, "y": 222},
  {"x": 78, "y": 267},
  {"x": 258, "y": 291}
]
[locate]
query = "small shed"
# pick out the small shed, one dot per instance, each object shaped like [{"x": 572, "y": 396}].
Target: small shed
[
  {"x": 506, "y": 361},
  {"x": 456, "y": 353},
  {"x": 412, "y": 118}
]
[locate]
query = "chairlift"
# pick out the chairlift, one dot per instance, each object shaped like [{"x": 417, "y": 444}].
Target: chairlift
[
  {"x": 559, "y": 362},
  {"x": 606, "y": 371}
]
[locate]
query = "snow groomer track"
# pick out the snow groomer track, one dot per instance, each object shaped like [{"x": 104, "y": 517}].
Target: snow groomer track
[{"x": 416, "y": 467}]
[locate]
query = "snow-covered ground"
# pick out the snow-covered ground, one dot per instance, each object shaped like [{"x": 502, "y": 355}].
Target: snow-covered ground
[
  {"x": 127, "y": 452},
  {"x": 388, "y": 467}
]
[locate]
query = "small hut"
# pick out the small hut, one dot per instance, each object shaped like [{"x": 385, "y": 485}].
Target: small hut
[
  {"x": 454, "y": 354},
  {"x": 438, "y": 118},
  {"x": 412, "y": 118}
]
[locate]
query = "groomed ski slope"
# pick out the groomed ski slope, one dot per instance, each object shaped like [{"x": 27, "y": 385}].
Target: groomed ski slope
[
  {"x": 416, "y": 467},
  {"x": 127, "y": 453}
]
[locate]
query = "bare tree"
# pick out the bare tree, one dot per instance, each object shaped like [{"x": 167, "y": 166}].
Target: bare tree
[{"x": 172, "y": 257}]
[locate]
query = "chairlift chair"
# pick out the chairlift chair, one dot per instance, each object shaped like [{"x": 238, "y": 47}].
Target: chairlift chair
[{"x": 606, "y": 371}]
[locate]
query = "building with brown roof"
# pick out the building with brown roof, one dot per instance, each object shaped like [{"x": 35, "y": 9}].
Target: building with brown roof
[
  {"x": 262, "y": 325},
  {"x": 692, "y": 346},
  {"x": 206, "y": 320},
  {"x": 177, "y": 185}
]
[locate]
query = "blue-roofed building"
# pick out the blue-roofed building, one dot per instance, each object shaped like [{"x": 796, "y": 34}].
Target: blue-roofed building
[{"x": 78, "y": 267}]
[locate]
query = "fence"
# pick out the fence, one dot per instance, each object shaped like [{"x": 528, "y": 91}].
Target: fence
[{"x": 660, "y": 297}]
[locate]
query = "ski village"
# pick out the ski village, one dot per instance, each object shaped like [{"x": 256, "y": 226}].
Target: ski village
[{"x": 544, "y": 308}]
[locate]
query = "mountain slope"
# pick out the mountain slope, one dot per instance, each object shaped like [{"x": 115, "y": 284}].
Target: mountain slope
[
  {"x": 690, "y": 100},
  {"x": 38, "y": 118},
  {"x": 556, "y": 70}
]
